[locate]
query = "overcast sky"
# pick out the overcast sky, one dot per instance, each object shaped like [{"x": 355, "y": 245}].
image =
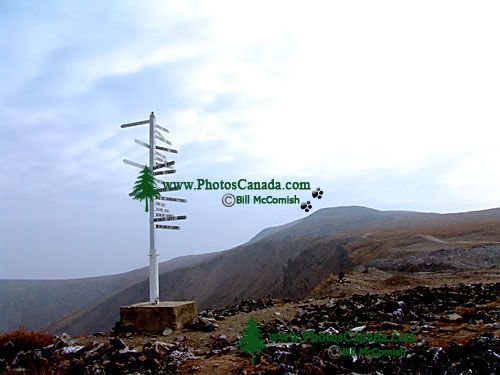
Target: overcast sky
[{"x": 387, "y": 104}]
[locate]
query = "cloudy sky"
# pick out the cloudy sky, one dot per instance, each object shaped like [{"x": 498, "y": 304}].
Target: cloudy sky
[{"x": 388, "y": 104}]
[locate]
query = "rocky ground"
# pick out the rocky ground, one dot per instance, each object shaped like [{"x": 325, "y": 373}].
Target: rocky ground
[
  {"x": 455, "y": 329},
  {"x": 478, "y": 258}
]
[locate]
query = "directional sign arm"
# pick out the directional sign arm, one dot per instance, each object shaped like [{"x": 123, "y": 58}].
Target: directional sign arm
[
  {"x": 170, "y": 218},
  {"x": 159, "y": 137},
  {"x": 158, "y": 181},
  {"x": 164, "y": 165},
  {"x": 133, "y": 163},
  {"x": 175, "y": 227},
  {"x": 130, "y": 124},
  {"x": 166, "y": 149},
  {"x": 162, "y": 190},
  {"x": 141, "y": 143},
  {"x": 162, "y": 128},
  {"x": 169, "y": 171},
  {"x": 182, "y": 200},
  {"x": 160, "y": 159},
  {"x": 160, "y": 155}
]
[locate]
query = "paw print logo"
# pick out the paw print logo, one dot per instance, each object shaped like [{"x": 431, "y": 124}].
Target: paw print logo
[
  {"x": 318, "y": 193},
  {"x": 306, "y": 206}
]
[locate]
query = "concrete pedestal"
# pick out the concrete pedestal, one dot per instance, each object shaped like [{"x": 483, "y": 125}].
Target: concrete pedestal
[{"x": 148, "y": 317}]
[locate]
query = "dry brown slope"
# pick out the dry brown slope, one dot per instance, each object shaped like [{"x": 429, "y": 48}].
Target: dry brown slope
[{"x": 259, "y": 267}]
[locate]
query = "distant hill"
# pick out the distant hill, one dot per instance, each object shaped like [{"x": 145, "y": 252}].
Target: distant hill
[
  {"x": 35, "y": 303},
  {"x": 287, "y": 260}
]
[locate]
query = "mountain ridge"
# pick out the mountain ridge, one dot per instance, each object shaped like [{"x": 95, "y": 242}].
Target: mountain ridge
[{"x": 265, "y": 264}]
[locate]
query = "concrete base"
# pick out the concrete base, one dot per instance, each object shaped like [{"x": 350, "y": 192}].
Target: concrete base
[{"x": 148, "y": 317}]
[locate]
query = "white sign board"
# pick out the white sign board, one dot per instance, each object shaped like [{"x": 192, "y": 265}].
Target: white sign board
[
  {"x": 134, "y": 124},
  {"x": 133, "y": 163},
  {"x": 162, "y": 128},
  {"x": 162, "y": 190},
  {"x": 141, "y": 143},
  {"x": 175, "y": 227},
  {"x": 166, "y": 149},
  {"x": 173, "y": 199},
  {"x": 170, "y": 171}
]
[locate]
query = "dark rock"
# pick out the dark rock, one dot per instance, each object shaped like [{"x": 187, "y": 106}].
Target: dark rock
[
  {"x": 202, "y": 324},
  {"x": 62, "y": 341},
  {"x": 116, "y": 342},
  {"x": 20, "y": 359},
  {"x": 8, "y": 350},
  {"x": 97, "y": 349},
  {"x": 158, "y": 349}
]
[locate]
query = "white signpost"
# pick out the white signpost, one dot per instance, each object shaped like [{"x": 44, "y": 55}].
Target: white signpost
[{"x": 157, "y": 209}]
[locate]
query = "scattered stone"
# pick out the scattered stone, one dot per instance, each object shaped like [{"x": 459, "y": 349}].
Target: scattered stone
[
  {"x": 416, "y": 309},
  {"x": 358, "y": 329},
  {"x": 246, "y": 305},
  {"x": 97, "y": 349},
  {"x": 8, "y": 350},
  {"x": 72, "y": 349},
  {"x": 63, "y": 341},
  {"x": 202, "y": 324},
  {"x": 453, "y": 317},
  {"x": 127, "y": 350},
  {"x": 117, "y": 342},
  {"x": 167, "y": 331},
  {"x": 162, "y": 348},
  {"x": 421, "y": 310}
]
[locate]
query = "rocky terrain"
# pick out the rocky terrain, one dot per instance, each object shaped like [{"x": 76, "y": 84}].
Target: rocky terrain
[
  {"x": 455, "y": 330},
  {"x": 434, "y": 278},
  {"x": 290, "y": 260}
]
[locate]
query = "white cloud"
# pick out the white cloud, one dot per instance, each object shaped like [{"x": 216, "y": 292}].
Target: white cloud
[
  {"x": 387, "y": 104},
  {"x": 378, "y": 86}
]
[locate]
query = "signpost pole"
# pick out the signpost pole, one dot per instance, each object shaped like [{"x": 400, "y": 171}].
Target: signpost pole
[
  {"x": 154, "y": 155},
  {"x": 154, "y": 290}
]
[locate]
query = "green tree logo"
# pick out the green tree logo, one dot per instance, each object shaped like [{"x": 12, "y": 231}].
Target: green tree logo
[
  {"x": 250, "y": 341},
  {"x": 145, "y": 187}
]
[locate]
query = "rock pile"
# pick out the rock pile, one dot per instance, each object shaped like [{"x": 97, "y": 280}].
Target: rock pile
[
  {"x": 206, "y": 319},
  {"x": 421, "y": 309},
  {"x": 97, "y": 358},
  {"x": 482, "y": 257},
  {"x": 246, "y": 305},
  {"x": 479, "y": 356},
  {"x": 416, "y": 306}
]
